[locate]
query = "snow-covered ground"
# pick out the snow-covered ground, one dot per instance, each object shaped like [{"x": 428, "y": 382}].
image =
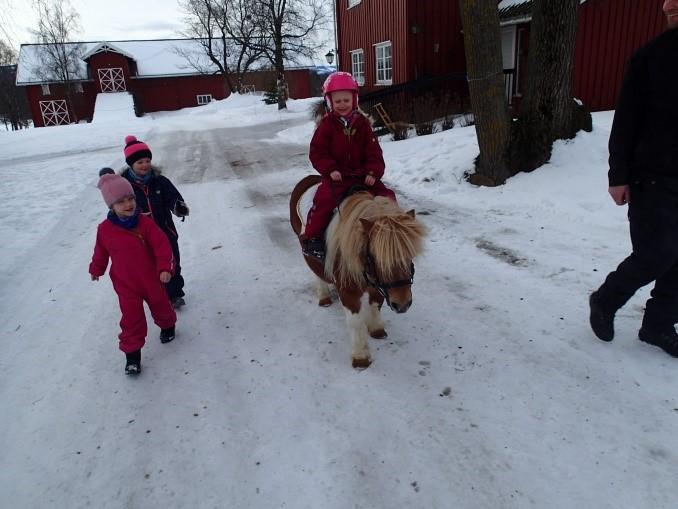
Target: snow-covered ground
[{"x": 491, "y": 392}]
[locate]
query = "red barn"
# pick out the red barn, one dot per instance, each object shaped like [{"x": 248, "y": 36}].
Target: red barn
[
  {"x": 156, "y": 73},
  {"x": 390, "y": 42}
]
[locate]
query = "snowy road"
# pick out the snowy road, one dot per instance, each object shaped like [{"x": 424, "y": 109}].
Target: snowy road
[{"x": 488, "y": 393}]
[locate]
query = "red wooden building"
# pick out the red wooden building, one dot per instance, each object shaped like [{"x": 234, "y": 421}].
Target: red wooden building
[
  {"x": 389, "y": 42},
  {"x": 156, "y": 73}
]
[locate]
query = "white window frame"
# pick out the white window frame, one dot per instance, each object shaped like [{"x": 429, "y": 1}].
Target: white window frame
[
  {"x": 204, "y": 99},
  {"x": 353, "y": 3},
  {"x": 384, "y": 76},
  {"x": 45, "y": 89},
  {"x": 358, "y": 66}
]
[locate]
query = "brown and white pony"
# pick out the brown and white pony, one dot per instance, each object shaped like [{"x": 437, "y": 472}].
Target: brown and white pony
[{"x": 371, "y": 244}]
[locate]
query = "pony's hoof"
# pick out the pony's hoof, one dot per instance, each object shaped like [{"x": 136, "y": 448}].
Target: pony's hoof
[
  {"x": 378, "y": 334},
  {"x": 327, "y": 301},
  {"x": 361, "y": 363}
]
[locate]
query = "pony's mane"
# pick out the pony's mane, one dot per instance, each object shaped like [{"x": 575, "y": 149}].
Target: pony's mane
[{"x": 395, "y": 239}]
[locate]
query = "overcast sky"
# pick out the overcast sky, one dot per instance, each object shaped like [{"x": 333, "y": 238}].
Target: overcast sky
[{"x": 113, "y": 20}]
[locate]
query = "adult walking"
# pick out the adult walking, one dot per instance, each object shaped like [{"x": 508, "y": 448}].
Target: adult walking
[{"x": 644, "y": 175}]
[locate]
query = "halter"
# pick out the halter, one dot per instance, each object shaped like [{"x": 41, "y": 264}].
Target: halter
[{"x": 370, "y": 275}]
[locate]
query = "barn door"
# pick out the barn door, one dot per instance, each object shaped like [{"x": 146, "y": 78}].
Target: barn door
[
  {"x": 112, "y": 80},
  {"x": 54, "y": 112}
]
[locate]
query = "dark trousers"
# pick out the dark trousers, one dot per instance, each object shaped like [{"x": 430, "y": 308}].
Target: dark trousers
[
  {"x": 175, "y": 287},
  {"x": 653, "y": 219}
]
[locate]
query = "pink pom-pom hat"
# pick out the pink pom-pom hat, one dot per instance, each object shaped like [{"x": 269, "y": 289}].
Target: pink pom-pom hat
[
  {"x": 135, "y": 150},
  {"x": 113, "y": 188}
]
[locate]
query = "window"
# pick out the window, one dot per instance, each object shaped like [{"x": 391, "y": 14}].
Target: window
[
  {"x": 45, "y": 90},
  {"x": 358, "y": 66},
  {"x": 384, "y": 63},
  {"x": 353, "y": 3},
  {"x": 54, "y": 112},
  {"x": 204, "y": 99},
  {"x": 112, "y": 79}
]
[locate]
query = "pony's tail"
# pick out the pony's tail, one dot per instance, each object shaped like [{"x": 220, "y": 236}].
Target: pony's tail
[{"x": 318, "y": 111}]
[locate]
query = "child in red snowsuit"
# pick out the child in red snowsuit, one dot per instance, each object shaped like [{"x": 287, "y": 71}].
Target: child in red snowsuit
[
  {"x": 345, "y": 151},
  {"x": 141, "y": 261}
]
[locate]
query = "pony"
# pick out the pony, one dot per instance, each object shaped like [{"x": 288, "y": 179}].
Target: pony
[{"x": 371, "y": 244}]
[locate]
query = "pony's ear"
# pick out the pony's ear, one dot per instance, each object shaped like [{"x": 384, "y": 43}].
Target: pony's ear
[
  {"x": 410, "y": 213},
  {"x": 367, "y": 225}
]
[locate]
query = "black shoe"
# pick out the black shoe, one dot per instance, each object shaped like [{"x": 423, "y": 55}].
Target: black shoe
[
  {"x": 167, "y": 335},
  {"x": 315, "y": 248},
  {"x": 133, "y": 365},
  {"x": 602, "y": 320},
  {"x": 667, "y": 341},
  {"x": 178, "y": 302}
]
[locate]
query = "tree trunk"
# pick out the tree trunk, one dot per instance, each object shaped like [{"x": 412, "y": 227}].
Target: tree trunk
[
  {"x": 280, "y": 68},
  {"x": 482, "y": 45},
  {"x": 548, "y": 111}
]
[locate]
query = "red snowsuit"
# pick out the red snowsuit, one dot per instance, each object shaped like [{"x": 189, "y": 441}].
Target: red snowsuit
[
  {"x": 138, "y": 256},
  {"x": 354, "y": 152}
]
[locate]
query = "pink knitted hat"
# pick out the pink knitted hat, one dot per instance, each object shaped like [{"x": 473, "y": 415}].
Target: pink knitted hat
[
  {"x": 135, "y": 150},
  {"x": 113, "y": 188}
]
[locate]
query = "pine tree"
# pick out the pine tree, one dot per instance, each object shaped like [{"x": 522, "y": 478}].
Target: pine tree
[{"x": 271, "y": 94}]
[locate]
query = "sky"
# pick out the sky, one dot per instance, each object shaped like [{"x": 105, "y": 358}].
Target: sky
[
  {"x": 490, "y": 392},
  {"x": 118, "y": 20},
  {"x": 114, "y": 20}
]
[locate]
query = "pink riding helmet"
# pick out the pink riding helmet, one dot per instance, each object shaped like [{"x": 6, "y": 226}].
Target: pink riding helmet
[{"x": 340, "y": 81}]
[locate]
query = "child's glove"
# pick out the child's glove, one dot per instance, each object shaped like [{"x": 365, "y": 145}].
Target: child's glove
[{"x": 181, "y": 209}]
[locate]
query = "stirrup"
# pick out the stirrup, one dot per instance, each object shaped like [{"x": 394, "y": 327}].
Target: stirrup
[{"x": 315, "y": 248}]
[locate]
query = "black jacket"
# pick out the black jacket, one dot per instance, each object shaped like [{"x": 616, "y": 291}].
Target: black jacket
[
  {"x": 644, "y": 137},
  {"x": 159, "y": 197}
]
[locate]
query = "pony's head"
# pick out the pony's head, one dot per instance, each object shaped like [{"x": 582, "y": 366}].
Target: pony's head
[{"x": 374, "y": 244}]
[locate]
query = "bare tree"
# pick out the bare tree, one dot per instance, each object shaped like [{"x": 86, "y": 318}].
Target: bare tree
[
  {"x": 548, "y": 111},
  {"x": 59, "y": 57},
  {"x": 482, "y": 44},
  {"x": 13, "y": 105},
  {"x": 223, "y": 30},
  {"x": 7, "y": 54},
  {"x": 287, "y": 33}
]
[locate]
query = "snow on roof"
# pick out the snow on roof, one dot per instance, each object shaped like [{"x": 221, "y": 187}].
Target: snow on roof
[
  {"x": 505, "y": 4},
  {"x": 155, "y": 58},
  {"x": 104, "y": 47},
  {"x": 517, "y": 11}
]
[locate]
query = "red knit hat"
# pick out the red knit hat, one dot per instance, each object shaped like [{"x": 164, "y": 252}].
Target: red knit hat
[
  {"x": 135, "y": 150},
  {"x": 114, "y": 188}
]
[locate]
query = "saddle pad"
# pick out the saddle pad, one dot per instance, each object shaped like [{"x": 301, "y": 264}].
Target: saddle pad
[{"x": 305, "y": 203}]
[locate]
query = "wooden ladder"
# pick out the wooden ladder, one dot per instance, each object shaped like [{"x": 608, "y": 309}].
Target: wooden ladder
[{"x": 385, "y": 118}]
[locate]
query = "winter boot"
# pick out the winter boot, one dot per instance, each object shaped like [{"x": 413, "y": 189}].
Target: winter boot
[
  {"x": 133, "y": 365},
  {"x": 315, "y": 248},
  {"x": 178, "y": 302},
  {"x": 667, "y": 341},
  {"x": 602, "y": 320},
  {"x": 167, "y": 335}
]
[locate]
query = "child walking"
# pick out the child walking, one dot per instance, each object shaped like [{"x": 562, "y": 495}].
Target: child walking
[
  {"x": 345, "y": 151},
  {"x": 141, "y": 260},
  {"x": 157, "y": 198}
]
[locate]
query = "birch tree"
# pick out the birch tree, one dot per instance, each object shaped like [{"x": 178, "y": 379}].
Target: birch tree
[
  {"x": 287, "y": 30},
  {"x": 225, "y": 31}
]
